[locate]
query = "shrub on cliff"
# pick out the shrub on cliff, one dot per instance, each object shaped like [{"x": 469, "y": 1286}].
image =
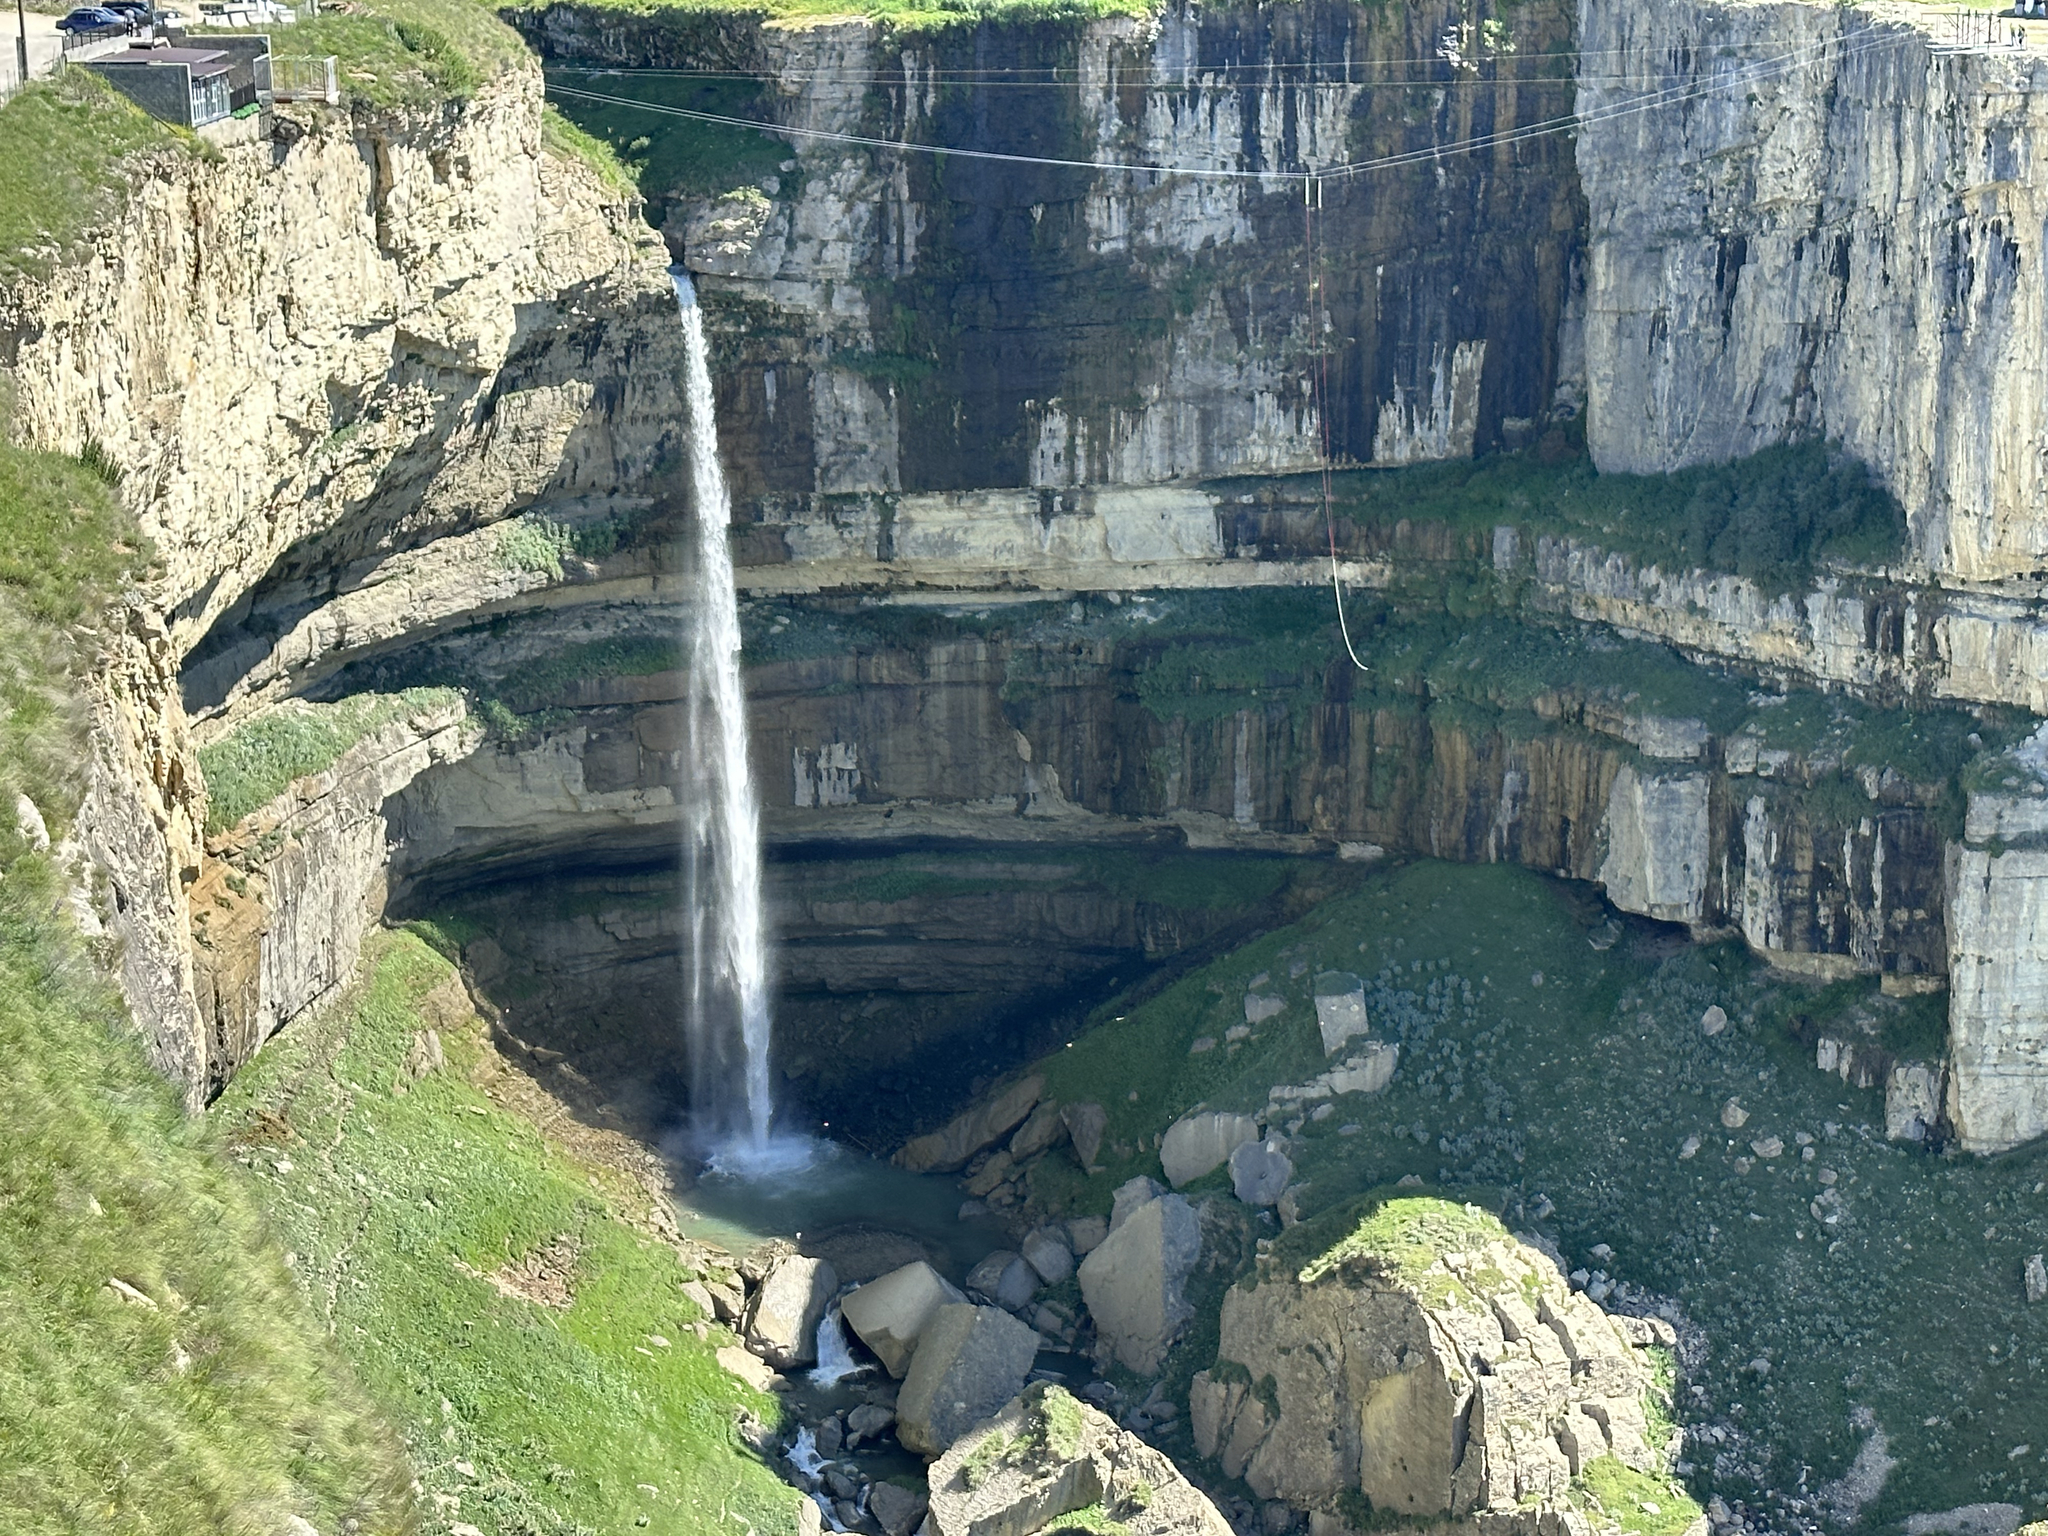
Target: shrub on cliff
[{"x": 1768, "y": 517}]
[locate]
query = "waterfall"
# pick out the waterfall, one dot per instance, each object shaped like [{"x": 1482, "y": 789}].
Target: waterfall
[
  {"x": 725, "y": 1006},
  {"x": 835, "y": 1355}
]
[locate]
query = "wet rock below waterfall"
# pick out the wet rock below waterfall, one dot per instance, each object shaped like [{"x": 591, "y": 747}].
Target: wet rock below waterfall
[
  {"x": 782, "y": 1320},
  {"x": 890, "y": 1314},
  {"x": 970, "y": 1360}
]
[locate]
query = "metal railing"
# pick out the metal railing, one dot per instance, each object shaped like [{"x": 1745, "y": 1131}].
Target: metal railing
[
  {"x": 1968, "y": 31},
  {"x": 305, "y": 78},
  {"x": 86, "y": 42}
]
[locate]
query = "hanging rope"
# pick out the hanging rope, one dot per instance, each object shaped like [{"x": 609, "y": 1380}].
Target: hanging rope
[{"x": 1319, "y": 395}]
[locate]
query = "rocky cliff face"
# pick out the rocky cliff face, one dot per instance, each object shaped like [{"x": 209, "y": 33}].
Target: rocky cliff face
[
  {"x": 395, "y": 396},
  {"x": 309, "y": 357},
  {"x": 895, "y": 324},
  {"x": 1828, "y": 232}
]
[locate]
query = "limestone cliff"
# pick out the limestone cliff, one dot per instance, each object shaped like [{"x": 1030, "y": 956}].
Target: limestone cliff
[
  {"x": 1828, "y": 231},
  {"x": 896, "y": 324},
  {"x": 308, "y": 357}
]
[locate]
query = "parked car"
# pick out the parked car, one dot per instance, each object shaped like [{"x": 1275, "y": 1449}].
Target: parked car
[
  {"x": 135, "y": 12},
  {"x": 92, "y": 18}
]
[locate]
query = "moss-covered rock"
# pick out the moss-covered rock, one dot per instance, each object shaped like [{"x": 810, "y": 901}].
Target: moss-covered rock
[{"x": 1413, "y": 1352}]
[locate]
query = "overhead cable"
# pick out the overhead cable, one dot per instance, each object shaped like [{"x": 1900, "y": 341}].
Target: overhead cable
[{"x": 1783, "y": 63}]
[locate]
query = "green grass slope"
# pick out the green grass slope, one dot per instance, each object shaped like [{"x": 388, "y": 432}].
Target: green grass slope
[
  {"x": 202, "y": 1397},
  {"x": 62, "y": 141},
  {"x": 1533, "y": 1063},
  {"x": 606, "y": 1413}
]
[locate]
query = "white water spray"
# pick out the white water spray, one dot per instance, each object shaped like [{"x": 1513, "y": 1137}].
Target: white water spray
[
  {"x": 835, "y": 1355},
  {"x": 727, "y": 990}
]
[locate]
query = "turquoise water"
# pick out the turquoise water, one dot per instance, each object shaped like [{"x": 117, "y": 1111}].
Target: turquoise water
[{"x": 840, "y": 1191}]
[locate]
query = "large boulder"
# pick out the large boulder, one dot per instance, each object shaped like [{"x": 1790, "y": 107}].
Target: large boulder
[
  {"x": 1003, "y": 1278},
  {"x": 1047, "y": 1454},
  {"x": 1912, "y": 1101},
  {"x": 1044, "y": 1128},
  {"x": 1085, "y": 1124},
  {"x": 1340, "y": 1009},
  {"x": 1197, "y": 1144},
  {"x": 1427, "y": 1360},
  {"x": 1260, "y": 1172},
  {"x": 1135, "y": 1282},
  {"x": 950, "y": 1147},
  {"x": 1048, "y": 1251},
  {"x": 782, "y": 1320},
  {"x": 896, "y": 1510},
  {"x": 970, "y": 1361},
  {"x": 888, "y": 1315}
]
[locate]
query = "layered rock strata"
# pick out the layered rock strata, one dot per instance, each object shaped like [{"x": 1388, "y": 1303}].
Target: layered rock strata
[
  {"x": 310, "y": 357},
  {"x": 1431, "y": 1363},
  {"x": 1826, "y": 233},
  {"x": 893, "y": 328}
]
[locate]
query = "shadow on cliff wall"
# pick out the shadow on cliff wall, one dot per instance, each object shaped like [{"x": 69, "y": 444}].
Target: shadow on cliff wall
[{"x": 462, "y": 468}]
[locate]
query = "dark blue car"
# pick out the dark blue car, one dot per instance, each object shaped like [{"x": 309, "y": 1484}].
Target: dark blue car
[{"x": 92, "y": 18}]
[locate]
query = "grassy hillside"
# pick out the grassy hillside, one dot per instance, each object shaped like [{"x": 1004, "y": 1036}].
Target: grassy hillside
[
  {"x": 1877, "y": 1284},
  {"x": 402, "y": 1309},
  {"x": 196, "y": 1394},
  {"x": 532, "y": 1340},
  {"x": 62, "y": 141}
]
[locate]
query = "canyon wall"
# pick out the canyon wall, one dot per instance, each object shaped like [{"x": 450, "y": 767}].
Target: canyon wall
[
  {"x": 1827, "y": 225},
  {"x": 309, "y": 357},
  {"x": 394, "y": 393},
  {"x": 895, "y": 323}
]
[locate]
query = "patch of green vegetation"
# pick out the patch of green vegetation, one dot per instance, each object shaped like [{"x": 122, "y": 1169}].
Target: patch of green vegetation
[
  {"x": 1770, "y": 517},
  {"x": 255, "y": 763},
  {"x": 1660, "y": 1403},
  {"x": 885, "y": 367},
  {"x": 521, "y": 1414},
  {"x": 214, "y": 1404},
  {"x": 446, "y": 933},
  {"x": 1560, "y": 1075},
  {"x": 549, "y": 679},
  {"x": 667, "y": 156},
  {"x": 64, "y": 141},
  {"x": 1517, "y": 666},
  {"x": 409, "y": 52},
  {"x": 535, "y": 545},
  {"x": 1090, "y": 1520},
  {"x": 980, "y": 1464},
  {"x": 1407, "y": 1237},
  {"x": 1640, "y": 1504},
  {"x": 1923, "y": 745},
  {"x": 565, "y": 141},
  {"x": 65, "y": 544}
]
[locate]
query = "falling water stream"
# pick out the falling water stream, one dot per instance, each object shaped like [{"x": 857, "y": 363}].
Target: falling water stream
[{"x": 726, "y": 998}]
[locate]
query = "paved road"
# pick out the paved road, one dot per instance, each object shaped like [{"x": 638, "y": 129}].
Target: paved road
[{"x": 45, "y": 47}]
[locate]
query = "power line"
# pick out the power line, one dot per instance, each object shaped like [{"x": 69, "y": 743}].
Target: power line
[
  {"x": 1782, "y": 63},
  {"x": 1057, "y": 75}
]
